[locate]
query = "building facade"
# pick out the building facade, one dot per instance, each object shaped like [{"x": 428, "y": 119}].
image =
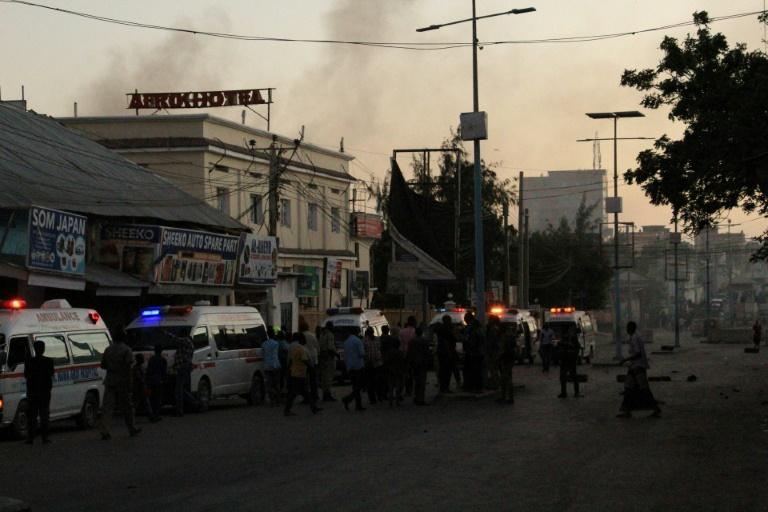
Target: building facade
[
  {"x": 559, "y": 194},
  {"x": 323, "y": 258}
]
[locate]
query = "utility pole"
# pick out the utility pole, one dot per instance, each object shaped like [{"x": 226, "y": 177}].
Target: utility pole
[
  {"x": 520, "y": 242},
  {"x": 505, "y": 291},
  {"x": 676, "y": 244},
  {"x": 729, "y": 262},
  {"x": 527, "y": 274},
  {"x": 274, "y": 185},
  {"x": 708, "y": 298},
  {"x": 457, "y": 223}
]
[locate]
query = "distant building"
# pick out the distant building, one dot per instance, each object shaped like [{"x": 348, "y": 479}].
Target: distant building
[
  {"x": 559, "y": 194},
  {"x": 650, "y": 236}
]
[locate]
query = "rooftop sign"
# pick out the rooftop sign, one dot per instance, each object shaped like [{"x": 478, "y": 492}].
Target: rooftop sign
[{"x": 205, "y": 99}]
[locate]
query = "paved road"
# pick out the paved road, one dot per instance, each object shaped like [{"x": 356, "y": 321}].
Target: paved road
[{"x": 707, "y": 453}]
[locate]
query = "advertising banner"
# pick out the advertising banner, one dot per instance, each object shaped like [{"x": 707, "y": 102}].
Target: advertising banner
[
  {"x": 332, "y": 273},
  {"x": 196, "y": 257},
  {"x": 308, "y": 285},
  {"x": 130, "y": 248},
  {"x": 57, "y": 241},
  {"x": 360, "y": 284},
  {"x": 258, "y": 260}
]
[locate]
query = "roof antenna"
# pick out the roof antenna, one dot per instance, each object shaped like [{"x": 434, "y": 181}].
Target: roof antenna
[
  {"x": 22, "y": 93},
  {"x": 243, "y": 116},
  {"x": 341, "y": 145}
]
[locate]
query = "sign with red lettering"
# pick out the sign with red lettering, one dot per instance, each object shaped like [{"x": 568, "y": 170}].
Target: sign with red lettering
[{"x": 204, "y": 99}]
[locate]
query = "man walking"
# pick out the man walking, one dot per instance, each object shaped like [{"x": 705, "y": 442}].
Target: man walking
[
  {"x": 407, "y": 334},
  {"x": 38, "y": 371},
  {"x": 546, "y": 344},
  {"x": 182, "y": 368},
  {"x": 473, "y": 357},
  {"x": 446, "y": 353},
  {"x": 157, "y": 369},
  {"x": 269, "y": 350},
  {"x": 117, "y": 360},
  {"x": 637, "y": 393},
  {"x": 373, "y": 366},
  {"x": 313, "y": 349},
  {"x": 568, "y": 350},
  {"x": 327, "y": 357},
  {"x": 354, "y": 358},
  {"x": 507, "y": 355},
  {"x": 419, "y": 359},
  {"x": 297, "y": 381}
]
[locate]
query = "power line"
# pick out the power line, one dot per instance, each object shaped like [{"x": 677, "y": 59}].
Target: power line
[{"x": 411, "y": 45}]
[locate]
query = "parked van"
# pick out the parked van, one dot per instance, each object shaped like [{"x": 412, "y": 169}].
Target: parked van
[
  {"x": 561, "y": 319},
  {"x": 527, "y": 328},
  {"x": 355, "y": 321},
  {"x": 74, "y": 338},
  {"x": 227, "y": 340}
]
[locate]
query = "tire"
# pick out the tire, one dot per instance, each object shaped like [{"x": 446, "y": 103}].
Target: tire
[
  {"x": 257, "y": 392},
  {"x": 87, "y": 418},
  {"x": 20, "y": 425},
  {"x": 203, "y": 395}
]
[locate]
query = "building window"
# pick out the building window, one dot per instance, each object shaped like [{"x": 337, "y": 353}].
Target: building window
[
  {"x": 335, "y": 220},
  {"x": 312, "y": 217},
  {"x": 312, "y": 186},
  {"x": 285, "y": 213},
  {"x": 220, "y": 168},
  {"x": 257, "y": 209},
  {"x": 222, "y": 199}
]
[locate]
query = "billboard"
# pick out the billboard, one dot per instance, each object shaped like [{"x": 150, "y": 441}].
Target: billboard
[
  {"x": 57, "y": 241},
  {"x": 258, "y": 260},
  {"x": 130, "y": 248},
  {"x": 333, "y": 267},
  {"x": 201, "y": 99},
  {"x": 196, "y": 257}
]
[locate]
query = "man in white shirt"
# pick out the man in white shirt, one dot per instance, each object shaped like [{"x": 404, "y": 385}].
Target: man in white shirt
[{"x": 637, "y": 393}]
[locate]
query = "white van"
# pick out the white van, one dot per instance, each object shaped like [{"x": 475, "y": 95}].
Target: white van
[
  {"x": 355, "y": 321},
  {"x": 527, "y": 328},
  {"x": 227, "y": 359},
  {"x": 561, "y": 319},
  {"x": 74, "y": 338}
]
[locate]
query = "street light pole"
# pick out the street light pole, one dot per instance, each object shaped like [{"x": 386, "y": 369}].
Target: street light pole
[{"x": 478, "y": 177}]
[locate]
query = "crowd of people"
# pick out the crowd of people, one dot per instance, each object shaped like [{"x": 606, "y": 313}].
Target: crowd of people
[{"x": 388, "y": 369}]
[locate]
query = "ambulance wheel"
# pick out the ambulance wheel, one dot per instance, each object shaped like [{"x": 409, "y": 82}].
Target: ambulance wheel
[
  {"x": 20, "y": 424},
  {"x": 256, "y": 394},
  {"x": 87, "y": 418},
  {"x": 203, "y": 395}
]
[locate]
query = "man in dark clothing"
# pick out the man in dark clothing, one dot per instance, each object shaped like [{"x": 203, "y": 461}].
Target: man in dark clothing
[
  {"x": 419, "y": 359},
  {"x": 507, "y": 356},
  {"x": 446, "y": 353},
  {"x": 38, "y": 371},
  {"x": 157, "y": 369},
  {"x": 568, "y": 350},
  {"x": 117, "y": 361},
  {"x": 182, "y": 368},
  {"x": 473, "y": 357}
]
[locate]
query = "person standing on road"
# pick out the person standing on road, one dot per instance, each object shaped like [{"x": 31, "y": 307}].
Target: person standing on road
[
  {"x": 38, "y": 372},
  {"x": 282, "y": 354},
  {"x": 327, "y": 357},
  {"x": 420, "y": 360},
  {"x": 354, "y": 358},
  {"x": 473, "y": 357},
  {"x": 757, "y": 333},
  {"x": 297, "y": 382},
  {"x": 394, "y": 366},
  {"x": 407, "y": 334},
  {"x": 446, "y": 353},
  {"x": 139, "y": 387},
  {"x": 373, "y": 366},
  {"x": 637, "y": 392},
  {"x": 182, "y": 369},
  {"x": 546, "y": 344},
  {"x": 117, "y": 360},
  {"x": 507, "y": 356},
  {"x": 492, "y": 342},
  {"x": 157, "y": 370},
  {"x": 313, "y": 349},
  {"x": 568, "y": 350},
  {"x": 270, "y": 351}
]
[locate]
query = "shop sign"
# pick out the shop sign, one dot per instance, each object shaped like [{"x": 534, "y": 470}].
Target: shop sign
[
  {"x": 367, "y": 226},
  {"x": 130, "y": 248},
  {"x": 196, "y": 257},
  {"x": 258, "y": 260},
  {"x": 333, "y": 267},
  {"x": 308, "y": 284},
  {"x": 202, "y": 99},
  {"x": 57, "y": 241}
]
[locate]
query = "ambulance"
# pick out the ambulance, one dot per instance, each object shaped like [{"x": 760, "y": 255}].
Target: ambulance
[
  {"x": 227, "y": 340},
  {"x": 346, "y": 321},
  {"x": 74, "y": 338},
  {"x": 563, "y": 318},
  {"x": 524, "y": 323}
]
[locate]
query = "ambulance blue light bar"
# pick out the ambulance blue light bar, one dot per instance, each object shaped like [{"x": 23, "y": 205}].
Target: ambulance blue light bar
[{"x": 152, "y": 312}]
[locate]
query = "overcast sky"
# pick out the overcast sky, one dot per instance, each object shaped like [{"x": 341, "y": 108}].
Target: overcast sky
[{"x": 377, "y": 99}]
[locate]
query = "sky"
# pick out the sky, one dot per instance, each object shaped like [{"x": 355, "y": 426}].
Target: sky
[{"x": 377, "y": 99}]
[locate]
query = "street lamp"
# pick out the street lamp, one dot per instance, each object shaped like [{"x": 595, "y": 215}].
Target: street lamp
[
  {"x": 614, "y": 206},
  {"x": 478, "y": 178}
]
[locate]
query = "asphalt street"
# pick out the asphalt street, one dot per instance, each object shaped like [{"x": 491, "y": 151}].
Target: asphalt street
[{"x": 707, "y": 452}]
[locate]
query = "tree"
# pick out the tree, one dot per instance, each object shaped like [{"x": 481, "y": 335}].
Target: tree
[
  {"x": 567, "y": 265},
  {"x": 721, "y": 94}
]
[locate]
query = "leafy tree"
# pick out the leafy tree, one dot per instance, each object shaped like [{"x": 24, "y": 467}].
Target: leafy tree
[
  {"x": 721, "y": 94},
  {"x": 567, "y": 265}
]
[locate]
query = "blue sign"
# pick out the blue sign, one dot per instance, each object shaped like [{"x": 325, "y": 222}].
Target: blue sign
[
  {"x": 196, "y": 257},
  {"x": 57, "y": 241}
]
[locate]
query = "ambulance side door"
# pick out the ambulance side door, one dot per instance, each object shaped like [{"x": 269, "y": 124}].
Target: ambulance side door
[{"x": 62, "y": 398}]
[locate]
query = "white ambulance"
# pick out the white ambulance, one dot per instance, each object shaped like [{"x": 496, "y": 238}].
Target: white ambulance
[
  {"x": 355, "y": 321},
  {"x": 563, "y": 318},
  {"x": 227, "y": 359},
  {"x": 526, "y": 327},
  {"x": 74, "y": 338}
]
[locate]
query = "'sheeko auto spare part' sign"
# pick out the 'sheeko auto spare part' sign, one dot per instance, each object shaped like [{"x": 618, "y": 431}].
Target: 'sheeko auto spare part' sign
[
  {"x": 56, "y": 241},
  {"x": 196, "y": 257},
  {"x": 200, "y": 99}
]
